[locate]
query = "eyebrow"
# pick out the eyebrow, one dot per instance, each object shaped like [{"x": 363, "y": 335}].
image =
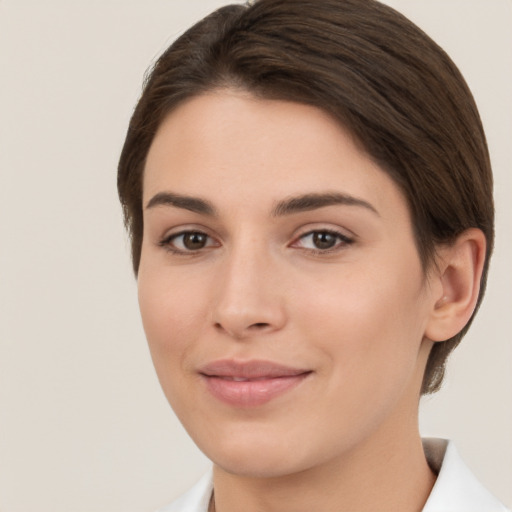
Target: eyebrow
[
  {"x": 194, "y": 204},
  {"x": 297, "y": 204},
  {"x": 309, "y": 202}
]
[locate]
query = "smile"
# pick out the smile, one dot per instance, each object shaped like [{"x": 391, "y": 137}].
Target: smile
[{"x": 250, "y": 384}]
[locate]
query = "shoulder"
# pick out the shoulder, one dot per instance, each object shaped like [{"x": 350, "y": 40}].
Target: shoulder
[
  {"x": 195, "y": 499},
  {"x": 456, "y": 489}
]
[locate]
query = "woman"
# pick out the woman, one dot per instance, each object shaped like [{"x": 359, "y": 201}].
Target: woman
[{"x": 309, "y": 197}]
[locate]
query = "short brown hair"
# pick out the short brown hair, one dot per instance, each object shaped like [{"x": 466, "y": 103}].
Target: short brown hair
[{"x": 370, "y": 68}]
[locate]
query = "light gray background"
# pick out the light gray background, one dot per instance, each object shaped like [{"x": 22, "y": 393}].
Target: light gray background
[{"x": 84, "y": 426}]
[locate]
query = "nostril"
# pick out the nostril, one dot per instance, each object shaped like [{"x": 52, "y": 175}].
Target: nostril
[
  {"x": 259, "y": 325},
  {"x": 239, "y": 333}
]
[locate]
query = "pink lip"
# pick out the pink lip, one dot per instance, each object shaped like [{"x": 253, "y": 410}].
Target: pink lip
[{"x": 251, "y": 383}]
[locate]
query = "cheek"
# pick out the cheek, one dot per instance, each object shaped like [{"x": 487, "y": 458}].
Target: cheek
[
  {"x": 173, "y": 319},
  {"x": 171, "y": 314},
  {"x": 369, "y": 334},
  {"x": 369, "y": 318}
]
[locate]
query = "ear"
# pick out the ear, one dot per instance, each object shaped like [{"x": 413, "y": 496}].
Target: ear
[{"x": 457, "y": 284}]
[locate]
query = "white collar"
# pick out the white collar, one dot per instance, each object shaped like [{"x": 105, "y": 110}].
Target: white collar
[{"x": 456, "y": 488}]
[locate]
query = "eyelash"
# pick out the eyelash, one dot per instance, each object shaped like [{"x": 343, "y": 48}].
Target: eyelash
[
  {"x": 342, "y": 241},
  {"x": 166, "y": 242}
]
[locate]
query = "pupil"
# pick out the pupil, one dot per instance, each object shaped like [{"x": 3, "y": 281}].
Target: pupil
[
  {"x": 194, "y": 241},
  {"x": 324, "y": 240}
]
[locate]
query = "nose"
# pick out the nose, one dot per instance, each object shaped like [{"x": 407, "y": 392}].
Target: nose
[{"x": 249, "y": 299}]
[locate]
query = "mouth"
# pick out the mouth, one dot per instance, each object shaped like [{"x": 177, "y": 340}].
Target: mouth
[{"x": 252, "y": 383}]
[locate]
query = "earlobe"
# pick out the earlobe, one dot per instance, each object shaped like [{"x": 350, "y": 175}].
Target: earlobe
[{"x": 460, "y": 267}]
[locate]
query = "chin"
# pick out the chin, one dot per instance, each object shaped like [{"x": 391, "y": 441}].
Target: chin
[
  {"x": 258, "y": 465},
  {"x": 263, "y": 454}
]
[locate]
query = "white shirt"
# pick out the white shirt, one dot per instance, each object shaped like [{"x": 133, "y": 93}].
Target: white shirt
[{"x": 456, "y": 488}]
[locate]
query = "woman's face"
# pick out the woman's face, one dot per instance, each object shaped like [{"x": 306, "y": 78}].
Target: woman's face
[{"x": 280, "y": 287}]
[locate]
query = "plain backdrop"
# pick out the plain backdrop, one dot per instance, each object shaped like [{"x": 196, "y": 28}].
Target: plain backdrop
[{"x": 84, "y": 426}]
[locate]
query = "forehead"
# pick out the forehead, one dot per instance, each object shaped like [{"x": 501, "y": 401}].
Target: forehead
[{"x": 231, "y": 147}]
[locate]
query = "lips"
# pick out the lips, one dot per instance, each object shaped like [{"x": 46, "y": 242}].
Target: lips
[{"x": 252, "y": 383}]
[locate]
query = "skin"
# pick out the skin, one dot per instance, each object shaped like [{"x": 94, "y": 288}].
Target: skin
[{"x": 361, "y": 316}]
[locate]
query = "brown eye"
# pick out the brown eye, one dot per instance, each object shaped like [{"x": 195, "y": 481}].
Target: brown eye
[
  {"x": 324, "y": 240},
  {"x": 194, "y": 241},
  {"x": 188, "y": 242}
]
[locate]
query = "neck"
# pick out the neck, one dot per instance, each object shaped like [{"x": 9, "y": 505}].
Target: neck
[
  {"x": 402, "y": 483},
  {"x": 387, "y": 472}
]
